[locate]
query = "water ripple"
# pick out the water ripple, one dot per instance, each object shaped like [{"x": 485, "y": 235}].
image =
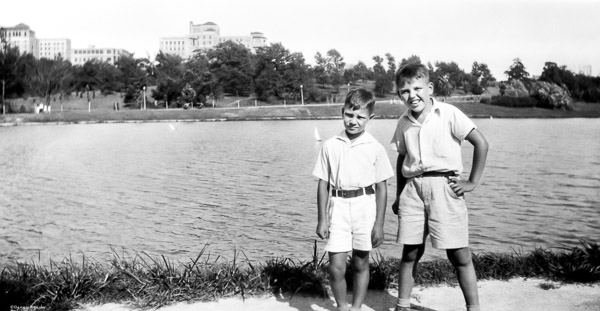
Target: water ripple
[{"x": 139, "y": 188}]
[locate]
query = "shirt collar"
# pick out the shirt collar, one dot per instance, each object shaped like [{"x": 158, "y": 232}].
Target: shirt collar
[
  {"x": 365, "y": 138},
  {"x": 435, "y": 107}
]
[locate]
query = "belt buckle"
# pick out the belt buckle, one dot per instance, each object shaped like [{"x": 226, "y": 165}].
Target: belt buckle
[{"x": 344, "y": 194}]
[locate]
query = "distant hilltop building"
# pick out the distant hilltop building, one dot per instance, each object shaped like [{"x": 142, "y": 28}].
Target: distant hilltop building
[
  {"x": 203, "y": 36},
  {"x": 585, "y": 70},
  {"x": 108, "y": 55},
  {"x": 54, "y": 48},
  {"x": 22, "y": 37}
]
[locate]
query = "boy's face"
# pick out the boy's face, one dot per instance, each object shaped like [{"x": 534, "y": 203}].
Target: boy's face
[
  {"x": 415, "y": 94},
  {"x": 355, "y": 121}
]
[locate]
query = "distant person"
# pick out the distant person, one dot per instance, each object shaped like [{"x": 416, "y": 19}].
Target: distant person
[
  {"x": 352, "y": 168},
  {"x": 430, "y": 197}
]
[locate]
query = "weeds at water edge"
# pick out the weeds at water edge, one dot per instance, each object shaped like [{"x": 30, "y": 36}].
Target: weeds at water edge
[{"x": 149, "y": 282}]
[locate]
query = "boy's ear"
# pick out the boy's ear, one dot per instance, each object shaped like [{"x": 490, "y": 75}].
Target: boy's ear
[{"x": 430, "y": 88}]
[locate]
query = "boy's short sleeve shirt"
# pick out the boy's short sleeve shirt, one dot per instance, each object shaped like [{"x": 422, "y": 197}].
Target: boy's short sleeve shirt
[
  {"x": 434, "y": 145},
  {"x": 350, "y": 165}
]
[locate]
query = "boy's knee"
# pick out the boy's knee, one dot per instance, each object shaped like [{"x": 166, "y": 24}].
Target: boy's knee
[
  {"x": 360, "y": 260},
  {"x": 460, "y": 257},
  {"x": 337, "y": 271},
  {"x": 412, "y": 253}
]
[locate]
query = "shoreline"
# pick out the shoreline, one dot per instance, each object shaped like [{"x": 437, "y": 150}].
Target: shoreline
[{"x": 384, "y": 110}]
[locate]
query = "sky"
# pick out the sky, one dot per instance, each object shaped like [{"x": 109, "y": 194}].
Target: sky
[{"x": 484, "y": 31}]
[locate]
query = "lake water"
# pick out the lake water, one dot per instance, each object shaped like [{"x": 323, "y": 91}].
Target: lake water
[{"x": 170, "y": 189}]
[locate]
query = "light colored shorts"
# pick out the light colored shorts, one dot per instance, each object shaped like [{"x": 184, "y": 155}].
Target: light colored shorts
[
  {"x": 428, "y": 206},
  {"x": 351, "y": 223}
]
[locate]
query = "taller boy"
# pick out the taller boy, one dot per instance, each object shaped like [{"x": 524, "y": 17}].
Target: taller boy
[{"x": 430, "y": 197}]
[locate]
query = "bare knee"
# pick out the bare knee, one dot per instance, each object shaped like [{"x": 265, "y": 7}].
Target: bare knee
[
  {"x": 337, "y": 271},
  {"x": 412, "y": 253},
  {"x": 460, "y": 257},
  {"x": 360, "y": 261}
]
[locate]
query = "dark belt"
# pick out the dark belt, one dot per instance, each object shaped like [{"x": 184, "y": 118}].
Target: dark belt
[
  {"x": 437, "y": 174},
  {"x": 352, "y": 193}
]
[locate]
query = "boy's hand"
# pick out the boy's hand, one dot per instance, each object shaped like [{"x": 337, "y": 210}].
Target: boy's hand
[
  {"x": 460, "y": 187},
  {"x": 395, "y": 206},
  {"x": 322, "y": 230},
  {"x": 377, "y": 236}
]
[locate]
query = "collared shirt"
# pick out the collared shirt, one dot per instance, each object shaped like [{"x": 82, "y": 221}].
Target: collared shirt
[
  {"x": 354, "y": 164},
  {"x": 435, "y": 144}
]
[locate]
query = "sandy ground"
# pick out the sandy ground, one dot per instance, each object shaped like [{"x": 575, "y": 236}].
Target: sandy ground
[{"x": 516, "y": 294}]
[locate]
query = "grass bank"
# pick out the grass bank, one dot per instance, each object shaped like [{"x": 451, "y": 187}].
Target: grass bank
[
  {"x": 383, "y": 110},
  {"x": 101, "y": 110},
  {"x": 147, "y": 282}
]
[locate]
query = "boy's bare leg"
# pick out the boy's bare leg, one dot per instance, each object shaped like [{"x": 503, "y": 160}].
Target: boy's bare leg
[
  {"x": 337, "y": 278},
  {"x": 411, "y": 254},
  {"x": 360, "y": 282},
  {"x": 465, "y": 273}
]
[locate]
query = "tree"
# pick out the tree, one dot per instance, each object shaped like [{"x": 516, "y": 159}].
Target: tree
[
  {"x": 449, "y": 77},
  {"x": 412, "y": 59},
  {"x": 481, "y": 76},
  {"x": 517, "y": 71},
  {"x": 232, "y": 65},
  {"x": 169, "y": 71},
  {"x": 329, "y": 69},
  {"x": 48, "y": 78},
  {"x": 198, "y": 76},
  {"x": 131, "y": 76},
  {"x": 320, "y": 70},
  {"x": 381, "y": 77},
  {"x": 9, "y": 65},
  {"x": 335, "y": 68},
  {"x": 280, "y": 73}
]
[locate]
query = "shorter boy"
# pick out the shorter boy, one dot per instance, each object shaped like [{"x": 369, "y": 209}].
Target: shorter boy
[
  {"x": 430, "y": 198},
  {"x": 353, "y": 168}
]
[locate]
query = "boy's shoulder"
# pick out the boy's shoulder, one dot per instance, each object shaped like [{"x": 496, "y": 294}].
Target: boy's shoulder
[{"x": 446, "y": 107}]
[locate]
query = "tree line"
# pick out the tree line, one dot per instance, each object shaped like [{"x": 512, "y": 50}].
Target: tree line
[{"x": 271, "y": 73}]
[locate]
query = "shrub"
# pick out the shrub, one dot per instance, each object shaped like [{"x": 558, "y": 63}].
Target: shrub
[
  {"x": 485, "y": 100},
  {"x": 515, "y": 102}
]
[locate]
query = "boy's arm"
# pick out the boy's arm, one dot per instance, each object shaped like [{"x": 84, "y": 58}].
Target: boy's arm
[
  {"x": 480, "y": 151},
  {"x": 400, "y": 182},
  {"x": 322, "y": 202},
  {"x": 380, "y": 201}
]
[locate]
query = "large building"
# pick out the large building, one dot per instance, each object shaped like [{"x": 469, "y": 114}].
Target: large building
[
  {"x": 109, "y": 55},
  {"x": 22, "y": 37},
  {"x": 203, "y": 36},
  {"x": 55, "y": 48}
]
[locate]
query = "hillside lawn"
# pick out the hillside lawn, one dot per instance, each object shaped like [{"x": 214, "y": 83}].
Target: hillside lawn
[{"x": 75, "y": 110}]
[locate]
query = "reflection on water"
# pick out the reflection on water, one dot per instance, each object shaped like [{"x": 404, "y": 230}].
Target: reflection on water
[{"x": 170, "y": 189}]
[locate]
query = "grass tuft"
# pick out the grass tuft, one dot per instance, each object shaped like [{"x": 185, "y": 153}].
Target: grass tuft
[{"x": 150, "y": 282}]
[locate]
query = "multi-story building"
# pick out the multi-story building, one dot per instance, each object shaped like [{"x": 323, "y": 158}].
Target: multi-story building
[
  {"x": 22, "y": 37},
  {"x": 55, "y": 48},
  {"x": 203, "y": 36},
  {"x": 109, "y": 55}
]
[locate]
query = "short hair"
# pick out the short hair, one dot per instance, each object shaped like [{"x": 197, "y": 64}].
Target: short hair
[
  {"x": 410, "y": 71},
  {"x": 360, "y": 99}
]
